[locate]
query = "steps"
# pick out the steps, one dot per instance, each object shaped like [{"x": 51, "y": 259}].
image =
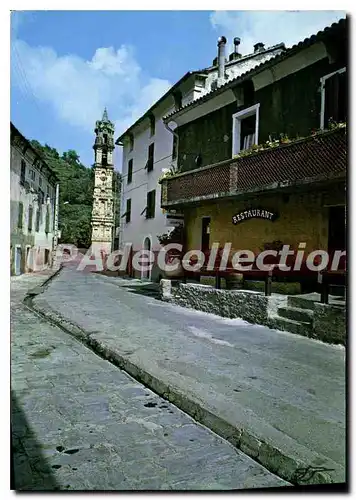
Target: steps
[
  {"x": 296, "y": 314},
  {"x": 296, "y": 317},
  {"x": 301, "y": 303},
  {"x": 292, "y": 326}
]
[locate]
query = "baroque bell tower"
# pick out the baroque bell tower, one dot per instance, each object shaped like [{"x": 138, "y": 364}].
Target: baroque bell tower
[{"x": 103, "y": 211}]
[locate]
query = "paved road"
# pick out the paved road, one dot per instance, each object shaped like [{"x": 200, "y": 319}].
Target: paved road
[
  {"x": 284, "y": 389},
  {"x": 79, "y": 423}
]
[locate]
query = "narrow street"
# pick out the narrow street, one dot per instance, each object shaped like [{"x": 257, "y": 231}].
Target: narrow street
[
  {"x": 281, "y": 389},
  {"x": 80, "y": 423}
]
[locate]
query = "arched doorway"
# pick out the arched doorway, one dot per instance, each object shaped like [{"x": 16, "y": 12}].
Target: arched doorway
[{"x": 146, "y": 246}]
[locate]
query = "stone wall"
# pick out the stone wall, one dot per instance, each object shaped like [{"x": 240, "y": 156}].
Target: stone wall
[
  {"x": 248, "y": 305},
  {"x": 330, "y": 323}
]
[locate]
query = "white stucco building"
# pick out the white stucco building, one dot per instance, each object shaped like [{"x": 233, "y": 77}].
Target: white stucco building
[
  {"x": 33, "y": 195},
  {"x": 149, "y": 148}
]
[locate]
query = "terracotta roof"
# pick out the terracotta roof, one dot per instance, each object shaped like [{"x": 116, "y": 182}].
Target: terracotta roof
[{"x": 287, "y": 53}]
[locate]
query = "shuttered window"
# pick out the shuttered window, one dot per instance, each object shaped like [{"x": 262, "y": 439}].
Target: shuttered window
[
  {"x": 129, "y": 171},
  {"x": 23, "y": 172},
  {"x": 128, "y": 210},
  {"x": 20, "y": 216},
  {"x": 47, "y": 220},
  {"x": 30, "y": 217},
  {"x": 38, "y": 217},
  {"x": 151, "y": 150},
  {"x": 335, "y": 99},
  {"x": 151, "y": 204}
]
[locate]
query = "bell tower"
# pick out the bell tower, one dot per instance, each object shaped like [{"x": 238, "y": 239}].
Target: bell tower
[{"x": 102, "y": 220}]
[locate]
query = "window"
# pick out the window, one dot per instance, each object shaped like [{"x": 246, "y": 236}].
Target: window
[
  {"x": 129, "y": 171},
  {"x": 128, "y": 210},
  {"x": 177, "y": 99},
  {"x": 47, "y": 220},
  {"x": 40, "y": 181},
  {"x": 131, "y": 142},
  {"x": 23, "y": 173},
  {"x": 245, "y": 129},
  {"x": 151, "y": 150},
  {"x": 20, "y": 216},
  {"x": 105, "y": 136},
  {"x": 41, "y": 199},
  {"x": 104, "y": 160},
  {"x": 333, "y": 98},
  {"x": 32, "y": 175},
  {"x": 151, "y": 204},
  {"x": 38, "y": 217},
  {"x": 30, "y": 217},
  {"x": 175, "y": 147},
  {"x": 46, "y": 256},
  {"x": 152, "y": 125}
]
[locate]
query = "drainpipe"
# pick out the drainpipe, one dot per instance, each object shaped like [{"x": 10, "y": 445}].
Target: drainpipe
[
  {"x": 55, "y": 237},
  {"x": 175, "y": 134}
]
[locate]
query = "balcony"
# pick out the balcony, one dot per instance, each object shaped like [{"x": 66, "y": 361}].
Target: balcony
[{"x": 317, "y": 158}]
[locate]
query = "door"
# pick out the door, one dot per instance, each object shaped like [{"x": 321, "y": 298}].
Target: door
[
  {"x": 27, "y": 258},
  {"x": 146, "y": 246},
  {"x": 337, "y": 229},
  {"x": 205, "y": 234},
  {"x": 18, "y": 255}
]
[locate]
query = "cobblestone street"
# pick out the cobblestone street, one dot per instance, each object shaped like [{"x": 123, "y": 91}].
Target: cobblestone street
[{"x": 80, "y": 423}]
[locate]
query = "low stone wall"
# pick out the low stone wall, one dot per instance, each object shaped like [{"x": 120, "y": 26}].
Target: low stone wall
[
  {"x": 248, "y": 305},
  {"x": 330, "y": 323}
]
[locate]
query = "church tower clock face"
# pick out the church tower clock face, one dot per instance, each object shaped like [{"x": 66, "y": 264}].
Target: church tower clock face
[{"x": 103, "y": 214}]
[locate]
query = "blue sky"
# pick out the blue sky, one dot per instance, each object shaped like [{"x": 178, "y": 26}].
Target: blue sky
[{"x": 67, "y": 65}]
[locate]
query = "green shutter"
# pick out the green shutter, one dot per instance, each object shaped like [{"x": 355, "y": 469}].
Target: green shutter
[
  {"x": 30, "y": 216},
  {"x": 20, "y": 216},
  {"x": 38, "y": 215},
  {"x": 47, "y": 220}
]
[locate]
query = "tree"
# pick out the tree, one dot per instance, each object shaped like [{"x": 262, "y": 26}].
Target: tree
[
  {"x": 76, "y": 188},
  {"x": 71, "y": 157}
]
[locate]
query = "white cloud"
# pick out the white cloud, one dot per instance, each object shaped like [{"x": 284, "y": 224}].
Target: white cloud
[
  {"x": 271, "y": 27},
  {"x": 78, "y": 89}
]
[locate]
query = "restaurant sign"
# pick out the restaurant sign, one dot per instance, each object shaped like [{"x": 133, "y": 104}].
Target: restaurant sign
[{"x": 255, "y": 213}]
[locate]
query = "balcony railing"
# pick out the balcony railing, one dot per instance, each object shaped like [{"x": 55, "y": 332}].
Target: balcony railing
[{"x": 316, "y": 158}]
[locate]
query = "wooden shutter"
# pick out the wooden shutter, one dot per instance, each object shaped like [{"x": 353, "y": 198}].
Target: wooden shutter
[{"x": 20, "y": 216}]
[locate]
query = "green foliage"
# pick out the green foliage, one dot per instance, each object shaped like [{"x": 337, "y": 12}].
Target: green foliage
[
  {"x": 76, "y": 184},
  {"x": 284, "y": 139}
]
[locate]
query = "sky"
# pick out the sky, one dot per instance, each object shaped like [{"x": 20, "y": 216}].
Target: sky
[{"x": 66, "y": 66}]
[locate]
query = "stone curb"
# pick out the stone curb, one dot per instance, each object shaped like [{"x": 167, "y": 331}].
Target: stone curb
[
  {"x": 41, "y": 288},
  {"x": 291, "y": 469}
]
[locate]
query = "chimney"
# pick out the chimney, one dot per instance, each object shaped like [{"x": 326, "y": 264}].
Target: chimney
[
  {"x": 259, "y": 47},
  {"x": 221, "y": 57},
  {"x": 235, "y": 54}
]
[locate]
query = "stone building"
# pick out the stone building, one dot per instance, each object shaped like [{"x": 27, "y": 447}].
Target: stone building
[
  {"x": 103, "y": 212},
  {"x": 270, "y": 141},
  {"x": 33, "y": 205},
  {"x": 150, "y": 149}
]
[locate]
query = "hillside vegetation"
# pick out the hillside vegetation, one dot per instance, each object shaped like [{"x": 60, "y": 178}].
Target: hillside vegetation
[{"x": 76, "y": 184}]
